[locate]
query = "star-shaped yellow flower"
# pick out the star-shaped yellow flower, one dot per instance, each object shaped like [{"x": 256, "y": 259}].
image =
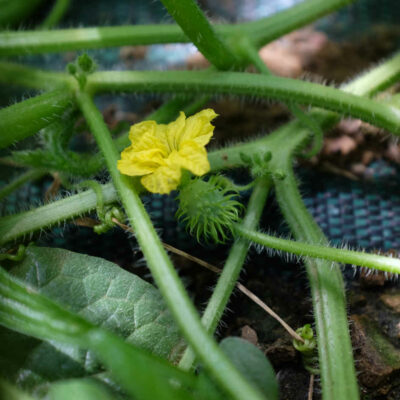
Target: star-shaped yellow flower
[{"x": 158, "y": 152}]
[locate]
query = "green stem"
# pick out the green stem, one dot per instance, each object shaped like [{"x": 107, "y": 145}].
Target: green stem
[
  {"x": 98, "y": 190},
  {"x": 16, "y": 226},
  {"x": 289, "y": 137},
  {"x": 233, "y": 265},
  {"x": 359, "y": 258},
  {"x": 267, "y": 29},
  {"x": 285, "y": 140},
  {"x": 239, "y": 83},
  {"x": 250, "y": 53},
  {"x": 281, "y": 142},
  {"x": 16, "y": 74},
  {"x": 261, "y": 32},
  {"x": 61, "y": 40},
  {"x": 29, "y": 116},
  {"x": 197, "y": 28},
  {"x": 338, "y": 377},
  {"x": 15, "y": 11},
  {"x": 161, "y": 267},
  {"x": 28, "y": 176},
  {"x": 60, "y": 7}
]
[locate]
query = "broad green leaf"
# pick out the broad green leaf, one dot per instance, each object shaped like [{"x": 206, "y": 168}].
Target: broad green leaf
[
  {"x": 102, "y": 293},
  {"x": 253, "y": 364},
  {"x": 143, "y": 375}
]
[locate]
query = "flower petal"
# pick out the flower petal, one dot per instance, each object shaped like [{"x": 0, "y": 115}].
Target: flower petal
[
  {"x": 193, "y": 157},
  {"x": 139, "y": 163},
  {"x": 146, "y": 135},
  {"x": 126, "y": 167},
  {"x": 175, "y": 130},
  {"x": 198, "y": 127},
  {"x": 138, "y": 130},
  {"x": 163, "y": 180}
]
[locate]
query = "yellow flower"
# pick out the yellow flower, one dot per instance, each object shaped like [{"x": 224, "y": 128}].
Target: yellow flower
[{"x": 158, "y": 152}]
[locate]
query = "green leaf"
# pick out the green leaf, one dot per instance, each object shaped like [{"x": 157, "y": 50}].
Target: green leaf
[
  {"x": 78, "y": 389},
  {"x": 143, "y": 375},
  {"x": 253, "y": 364},
  {"x": 102, "y": 293}
]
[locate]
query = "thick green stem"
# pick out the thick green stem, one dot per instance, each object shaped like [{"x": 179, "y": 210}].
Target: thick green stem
[
  {"x": 29, "y": 116},
  {"x": 251, "y": 55},
  {"x": 233, "y": 265},
  {"x": 271, "y": 28},
  {"x": 60, "y": 40},
  {"x": 281, "y": 142},
  {"x": 15, "y": 11},
  {"x": 240, "y": 83},
  {"x": 289, "y": 137},
  {"x": 338, "y": 377},
  {"x": 16, "y": 226},
  {"x": 161, "y": 267},
  {"x": 28, "y": 176},
  {"x": 260, "y": 32},
  {"x": 197, "y": 28},
  {"x": 57, "y": 12},
  {"x": 355, "y": 258},
  {"x": 20, "y": 75}
]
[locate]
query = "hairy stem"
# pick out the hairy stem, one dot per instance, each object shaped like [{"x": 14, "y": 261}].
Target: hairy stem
[
  {"x": 20, "y": 75},
  {"x": 251, "y": 55},
  {"x": 57, "y": 12},
  {"x": 16, "y": 226},
  {"x": 233, "y": 265},
  {"x": 260, "y": 32},
  {"x": 28, "y": 176},
  {"x": 239, "y": 83},
  {"x": 338, "y": 377},
  {"x": 359, "y": 258},
  {"x": 270, "y": 28},
  {"x": 197, "y": 28},
  {"x": 14, "y": 12},
  {"x": 288, "y": 138},
  {"x": 161, "y": 267},
  {"x": 29, "y": 116}
]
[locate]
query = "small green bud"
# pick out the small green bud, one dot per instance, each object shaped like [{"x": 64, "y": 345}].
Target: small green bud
[
  {"x": 257, "y": 159},
  {"x": 101, "y": 228},
  {"x": 113, "y": 212},
  {"x": 267, "y": 156},
  {"x": 245, "y": 158},
  {"x": 306, "y": 332},
  {"x": 81, "y": 80},
  {"x": 310, "y": 343},
  {"x": 85, "y": 63},
  {"x": 279, "y": 175},
  {"x": 71, "y": 68}
]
